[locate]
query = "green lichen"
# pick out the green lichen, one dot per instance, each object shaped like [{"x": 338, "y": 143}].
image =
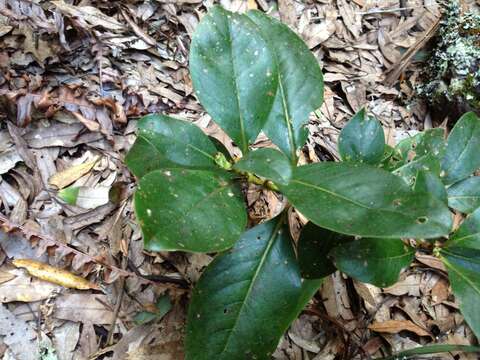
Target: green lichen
[{"x": 452, "y": 75}]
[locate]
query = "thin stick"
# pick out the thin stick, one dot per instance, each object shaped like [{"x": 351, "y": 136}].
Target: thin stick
[
  {"x": 396, "y": 69},
  {"x": 118, "y": 304}
]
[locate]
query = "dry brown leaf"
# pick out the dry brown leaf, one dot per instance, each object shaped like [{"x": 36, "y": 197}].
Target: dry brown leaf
[
  {"x": 440, "y": 291},
  {"x": 431, "y": 261},
  {"x": 410, "y": 285},
  {"x": 6, "y": 276},
  {"x": 89, "y": 15},
  {"x": 68, "y": 176},
  {"x": 84, "y": 308},
  {"x": 23, "y": 288},
  {"x": 18, "y": 336},
  {"x": 395, "y": 326},
  {"x": 54, "y": 275},
  {"x": 89, "y": 124}
]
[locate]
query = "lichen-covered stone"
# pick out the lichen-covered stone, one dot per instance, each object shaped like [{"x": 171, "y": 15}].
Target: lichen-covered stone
[{"x": 452, "y": 75}]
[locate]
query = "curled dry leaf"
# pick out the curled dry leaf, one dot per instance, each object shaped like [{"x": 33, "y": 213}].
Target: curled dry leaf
[{"x": 54, "y": 275}]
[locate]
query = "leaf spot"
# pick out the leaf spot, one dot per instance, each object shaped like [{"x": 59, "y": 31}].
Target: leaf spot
[{"x": 422, "y": 220}]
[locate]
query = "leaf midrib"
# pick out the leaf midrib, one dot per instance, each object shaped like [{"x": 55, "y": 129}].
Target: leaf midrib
[
  {"x": 288, "y": 119},
  {"x": 391, "y": 257},
  {"x": 244, "y": 145},
  {"x": 347, "y": 199},
  {"x": 463, "y": 238},
  {"x": 464, "y": 196},
  {"x": 271, "y": 241},
  {"x": 457, "y": 161}
]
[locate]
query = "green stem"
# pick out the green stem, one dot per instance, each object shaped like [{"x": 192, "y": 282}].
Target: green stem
[
  {"x": 223, "y": 163},
  {"x": 254, "y": 179}
]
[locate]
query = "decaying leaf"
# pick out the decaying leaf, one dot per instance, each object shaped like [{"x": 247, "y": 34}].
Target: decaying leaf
[
  {"x": 20, "y": 338},
  {"x": 395, "y": 326},
  {"x": 54, "y": 275},
  {"x": 89, "y": 15},
  {"x": 21, "y": 287}
]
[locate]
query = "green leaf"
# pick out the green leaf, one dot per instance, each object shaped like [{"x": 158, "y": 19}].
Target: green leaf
[
  {"x": 69, "y": 194},
  {"x": 163, "y": 306},
  {"x": 268, "y": 163},
  {"x": 468, "y": 234},
  {"x": 464, "y": 195},
  {"x": 427, "y": 162},
  {"x": 428, "y": 182},
  {"x": 362, "y": 139},
  {"x": 373, "y": 261},
  {"x": 233, "y": 73},
  {"x": 144, "y": 317},
  {"x": 432, "y": 349},
  {"x": 166, "y": 142},
  {"x": 313, "y": 246},
  {"x": 463, "y": 266},
  {"x": 362, "y": 200},
  {"x": 247, "y": 297},
  {"x": 189, "y": 210},
  {"x": 430, "y": 141},
  {"x": 300, "y": 85},
  {"x": 463, "y": 146},
  {"x": 422, "y": 152}
]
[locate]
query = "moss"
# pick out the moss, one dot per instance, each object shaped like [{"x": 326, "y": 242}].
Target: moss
[{"x": 452, "y": 75}]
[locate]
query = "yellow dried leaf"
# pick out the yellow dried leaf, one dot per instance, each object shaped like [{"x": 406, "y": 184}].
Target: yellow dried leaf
[
  {"x": 54, "y": 275},
  {"x": 68, "y": 176}
]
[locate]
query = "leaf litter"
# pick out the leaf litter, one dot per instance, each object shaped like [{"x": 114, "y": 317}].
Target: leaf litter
[{"x": 76, "y": 77}]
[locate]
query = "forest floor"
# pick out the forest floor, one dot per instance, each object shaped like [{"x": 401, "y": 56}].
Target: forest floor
[{"x": 76, "y": 76}]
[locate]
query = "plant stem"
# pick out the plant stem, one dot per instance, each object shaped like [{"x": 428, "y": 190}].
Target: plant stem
[{"x": 254, "y": 179}]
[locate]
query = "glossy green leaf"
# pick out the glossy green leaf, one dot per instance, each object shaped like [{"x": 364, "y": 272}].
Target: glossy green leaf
[
  {"x": 362, "y": 139},
  {"x": 464, "y": 195},
  {"x": 189, "y": 210},
  {"x": 313, "y": 246},
  {"x": 432, "y": 349},
  {"x": 358, "y": 199},
  {"x": 374, "y": 261},
  {"x": 300, "y": 85},
  {"x": 428, "y": 182},
  {"x": 463, "y": 266},
  {"x": 468, "y": 234},
  {"x": 430, "y": 141},
  {"x": 247, "y": 297},
  {"x": 166, "y": 142},
  {"x": 409, "y": 171},
  {"x": 268, "y": 163},
  {"x": 463, "y": 146},
  {"x": 233, "y": 73}
]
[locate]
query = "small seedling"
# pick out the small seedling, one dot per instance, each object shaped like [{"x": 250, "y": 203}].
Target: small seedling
[{"x": 253, "y": 74}]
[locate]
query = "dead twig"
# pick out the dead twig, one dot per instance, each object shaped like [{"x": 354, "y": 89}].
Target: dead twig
[
  {"x": 118, "y": 304},
  {"x": 394, "y": 71}
]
